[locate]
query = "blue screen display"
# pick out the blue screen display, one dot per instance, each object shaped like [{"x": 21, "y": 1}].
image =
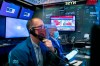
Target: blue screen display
[
  {"x": 26, "y": 13},
  {"x": 9, "y": 9},
  {"x": 16, "y": 28}
]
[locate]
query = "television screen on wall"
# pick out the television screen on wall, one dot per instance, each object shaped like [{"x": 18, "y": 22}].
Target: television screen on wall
[
  {"x": 16, "y": 28},
  {"x": 63, "y": 23},
  {"x": 9, "y": 9},
  {"x": 26, "y": 13}
]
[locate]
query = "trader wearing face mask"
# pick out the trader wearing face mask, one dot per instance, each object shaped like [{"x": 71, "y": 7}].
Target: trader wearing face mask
[
  {"x": 36, "y": 50},
  {"x": 54, "y": 35}
]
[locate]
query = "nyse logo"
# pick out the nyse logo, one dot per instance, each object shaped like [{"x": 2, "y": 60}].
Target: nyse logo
[
  {"x": 71, "y": 3},
  {"x": 10, "y": 10},
  {"x": 26, "y": 14}
]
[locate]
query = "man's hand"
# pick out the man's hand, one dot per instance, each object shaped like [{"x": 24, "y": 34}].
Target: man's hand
[{"x": 48, "y": 44}]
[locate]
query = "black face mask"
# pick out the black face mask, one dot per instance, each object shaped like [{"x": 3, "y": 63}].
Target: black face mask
[{"x": 40, "y": 36}]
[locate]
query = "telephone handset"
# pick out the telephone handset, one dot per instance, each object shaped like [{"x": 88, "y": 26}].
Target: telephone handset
[{"x": 40, "y": 36}]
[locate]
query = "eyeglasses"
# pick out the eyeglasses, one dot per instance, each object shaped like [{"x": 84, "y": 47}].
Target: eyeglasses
[{"x": 39, "y": 27}]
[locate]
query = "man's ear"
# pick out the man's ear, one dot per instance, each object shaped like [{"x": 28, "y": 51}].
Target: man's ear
[{"x": 32, "y": 31}]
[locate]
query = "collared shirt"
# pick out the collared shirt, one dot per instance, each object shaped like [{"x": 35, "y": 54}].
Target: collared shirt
[{"x": 38, "y": 53}]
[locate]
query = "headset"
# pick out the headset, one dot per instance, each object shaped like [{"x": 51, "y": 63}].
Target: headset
[{"x": 40, "y": 37}]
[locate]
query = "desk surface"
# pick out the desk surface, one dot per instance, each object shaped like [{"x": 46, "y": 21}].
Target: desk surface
[
  {"x": 5, "y": 44},
  {"x": 76, "y": 62},
  {"x": 82, "y": 60}
]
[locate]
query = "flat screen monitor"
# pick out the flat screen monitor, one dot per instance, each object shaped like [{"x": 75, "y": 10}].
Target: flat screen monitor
[
  {"x": 63, "y": 23},
  {"x": 16, "y": 28},
  {"x": 26, "y": 13},
  {"x": 9, "y": 9}
]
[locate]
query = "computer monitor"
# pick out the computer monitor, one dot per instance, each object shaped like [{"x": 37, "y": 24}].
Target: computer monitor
[
  {"x": 63, "y": 23},
  {"x": 9, "y": 9},
  {"x": 16, "y": 28},
  {"x": 26, "y": 13}
]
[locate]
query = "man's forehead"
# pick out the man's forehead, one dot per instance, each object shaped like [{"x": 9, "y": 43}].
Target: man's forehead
[
  {"x": 37, "y": 22},
  {"x": 36, "y": 19}
]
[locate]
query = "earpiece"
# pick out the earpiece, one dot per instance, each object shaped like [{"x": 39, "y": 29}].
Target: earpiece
[{"x": 32, "y": 31}]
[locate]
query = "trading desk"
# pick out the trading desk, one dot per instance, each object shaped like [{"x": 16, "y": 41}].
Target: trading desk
[
  {"x": 81, "y": 60},
  {"x": 4, "y": 50}
]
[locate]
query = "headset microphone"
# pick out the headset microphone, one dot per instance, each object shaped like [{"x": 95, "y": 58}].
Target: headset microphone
[{"x": 40, "y": 36}]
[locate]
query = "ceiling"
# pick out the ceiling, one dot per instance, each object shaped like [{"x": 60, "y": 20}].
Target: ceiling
[{"x": 41, "y": 2}]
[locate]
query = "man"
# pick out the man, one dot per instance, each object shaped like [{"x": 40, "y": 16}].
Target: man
[
  {"x": 54, "y": 35},
  {"x": 35, "y": 50}
]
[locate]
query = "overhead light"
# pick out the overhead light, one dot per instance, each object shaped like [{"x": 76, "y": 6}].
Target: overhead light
[{"x": 25, "y": 2}]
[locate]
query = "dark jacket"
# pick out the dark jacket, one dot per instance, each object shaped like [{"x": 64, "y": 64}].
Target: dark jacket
[
  {"x": 63, "y": 60},
  {"x": 24, "y": 55}
]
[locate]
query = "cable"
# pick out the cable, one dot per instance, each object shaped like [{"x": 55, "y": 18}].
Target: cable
[{"x": 66, "y": 61}]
